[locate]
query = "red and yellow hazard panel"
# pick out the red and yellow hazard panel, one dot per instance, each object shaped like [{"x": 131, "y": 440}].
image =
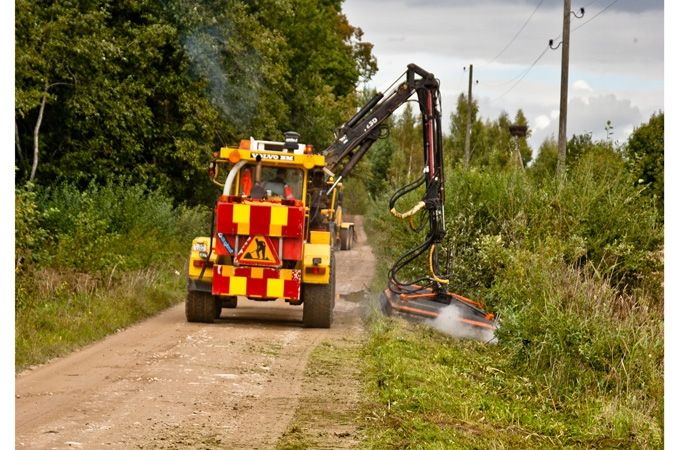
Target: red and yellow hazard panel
[
  {"x": 256, "y": 282},
  {"x": 264, "y": 219},
  {"x": 258, "y": 251}
]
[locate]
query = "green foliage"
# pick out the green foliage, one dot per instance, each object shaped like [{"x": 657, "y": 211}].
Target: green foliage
[
  {"x": 597, "y": 220},
  {"x": 577, "y": 331},
  {"x": 117, "y": 225},
  {"x": 574, "y": 267},
  {"x": 91, "y": 261},
  {"x": 545, "y": 164},
  {"x": 355, "y": 199},
  {"x": 645, "y": 157},
  {"x": 454, "y": 144},
  {"x": 150, "y": 89},
  {"x": 380, "y": 162},
  {"x": 27, "y": 232},
  {"x": 429, "y": 391},
  {"x": 324, "y": 59},
  {"x": 407, "y": 135},
  {"x": 491, "y": 144}
]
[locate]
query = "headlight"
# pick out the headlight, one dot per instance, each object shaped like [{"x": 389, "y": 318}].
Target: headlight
[{"x": 199, "y": 247}]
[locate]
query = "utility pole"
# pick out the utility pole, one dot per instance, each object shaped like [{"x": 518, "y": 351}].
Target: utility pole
[
  {"x": 564, "y": 90},
  {"x": 564, "y": 84},
  {"x": 518, "y": 132},
  {"x": 468, "y": 128}
]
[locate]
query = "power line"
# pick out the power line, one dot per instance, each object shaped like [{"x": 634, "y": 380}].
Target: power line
[
  {"x": 589, "y": 20},
  {"x": 518, "y": 32},
  {"x": 538, "y": 58},
  {"x": 593, "y": 18},
  {"x": 525, "y": 73}
]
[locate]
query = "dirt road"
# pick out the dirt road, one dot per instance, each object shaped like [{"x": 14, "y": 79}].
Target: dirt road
[{"x": 254, "y": 379}]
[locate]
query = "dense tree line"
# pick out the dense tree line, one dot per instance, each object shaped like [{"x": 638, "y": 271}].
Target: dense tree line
[{"x": 149, "y": 89}]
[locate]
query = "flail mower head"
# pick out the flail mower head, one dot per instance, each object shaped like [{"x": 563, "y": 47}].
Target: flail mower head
[{"x": 451, "y": 313}]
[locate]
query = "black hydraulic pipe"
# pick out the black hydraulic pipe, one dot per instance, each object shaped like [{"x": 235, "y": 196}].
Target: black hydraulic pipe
[
  {"x": 352, "y": 162},
  {"x": 363, "y": 111},
  {"x": 357, "y": 156}
]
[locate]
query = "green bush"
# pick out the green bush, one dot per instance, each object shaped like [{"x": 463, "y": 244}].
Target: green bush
[
  {"x": 574, "y": 267},
  {"x": 116, "y": 225},
  {"x": 27, "y": 232},
  {"x": 645, "y": 157},
  {"x": 94, "y": 260}
]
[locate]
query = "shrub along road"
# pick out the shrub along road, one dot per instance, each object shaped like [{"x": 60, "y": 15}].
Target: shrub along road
[{"x": 254, "y": 379}]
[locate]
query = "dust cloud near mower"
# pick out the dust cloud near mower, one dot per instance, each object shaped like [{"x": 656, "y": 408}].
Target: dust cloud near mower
[{"x": 450, "y": 313}]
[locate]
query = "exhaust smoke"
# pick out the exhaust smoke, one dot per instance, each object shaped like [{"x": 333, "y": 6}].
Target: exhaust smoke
[
  {"x": 450, "y": 322},
  {"x": 232, "y": 74}
]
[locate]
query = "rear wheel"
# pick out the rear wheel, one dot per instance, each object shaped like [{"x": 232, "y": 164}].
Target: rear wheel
[
  {"x": 201, "y": 307},
  {"x": 335, "y": 238},
  {"x": 346, "y": 238},
  {"x": 319, "y": 301},
  {"x": 217, "y": 310}
]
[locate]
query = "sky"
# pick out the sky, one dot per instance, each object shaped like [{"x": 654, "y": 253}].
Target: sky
[{"x": 616, "y": 68}]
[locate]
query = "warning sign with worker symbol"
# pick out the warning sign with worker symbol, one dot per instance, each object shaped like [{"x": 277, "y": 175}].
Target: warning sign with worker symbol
[{"x": 258, "y": 251}]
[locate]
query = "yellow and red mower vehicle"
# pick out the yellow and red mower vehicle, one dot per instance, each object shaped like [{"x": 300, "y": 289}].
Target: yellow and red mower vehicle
[
  {"x": 278, "y": 220},
  {"x": 267, "y": 243}
]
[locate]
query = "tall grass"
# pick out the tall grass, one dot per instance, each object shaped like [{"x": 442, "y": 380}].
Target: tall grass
[
  {"x": 91, "y": 261},
  {"x": 574, "y": 267}
]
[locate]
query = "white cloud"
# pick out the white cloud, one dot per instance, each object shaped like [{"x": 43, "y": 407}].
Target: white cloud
[
  {"x": 591, "y": 117},
  {"x": 582, "y": 85},
  {"x": 541, "y": 122}
]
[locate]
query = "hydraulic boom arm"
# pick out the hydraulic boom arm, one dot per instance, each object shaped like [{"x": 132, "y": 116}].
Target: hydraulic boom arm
[{"x": 357, "y": 135}]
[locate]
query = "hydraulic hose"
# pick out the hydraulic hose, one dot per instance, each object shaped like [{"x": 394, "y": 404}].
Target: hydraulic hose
[{"x": 435, "y": 277}]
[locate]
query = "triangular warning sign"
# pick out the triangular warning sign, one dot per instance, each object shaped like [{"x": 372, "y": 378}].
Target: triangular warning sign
[{"x": 258, "y": 251}]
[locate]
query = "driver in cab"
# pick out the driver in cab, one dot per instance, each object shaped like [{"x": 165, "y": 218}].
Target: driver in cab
[{"x": 280, "y": 185}]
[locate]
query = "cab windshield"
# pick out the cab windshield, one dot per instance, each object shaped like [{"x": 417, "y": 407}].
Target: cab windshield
[{"x": 277, "y": 182}]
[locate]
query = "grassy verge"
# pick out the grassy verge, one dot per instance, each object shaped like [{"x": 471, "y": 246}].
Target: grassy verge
[
  {"x": 91, "y": 261},
  {"x": 67, "y": 313},
  {"x": 328, "y": 413},
  {"x": 575, "y": 269},
  {"x": 430, "y": 391}
]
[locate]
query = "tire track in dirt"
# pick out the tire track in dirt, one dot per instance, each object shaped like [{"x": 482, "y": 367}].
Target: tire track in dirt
[{"x": 166, "y": 383}]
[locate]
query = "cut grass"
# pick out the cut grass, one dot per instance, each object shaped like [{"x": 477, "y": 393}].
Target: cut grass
[
  {"x": 329, "y": 410},
  {"x": 430, "y": 391}
]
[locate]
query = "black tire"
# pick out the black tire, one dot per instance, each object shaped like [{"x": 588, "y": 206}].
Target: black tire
[
  {"x": 346, "y": 238},
  {"x": 229, "y": 302},
  {"x": 200, "y": 307},
  {"x": 217, "y": 310},
  {"x": 335, "y": 239},
  {"x": 319, "y": 301}
]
